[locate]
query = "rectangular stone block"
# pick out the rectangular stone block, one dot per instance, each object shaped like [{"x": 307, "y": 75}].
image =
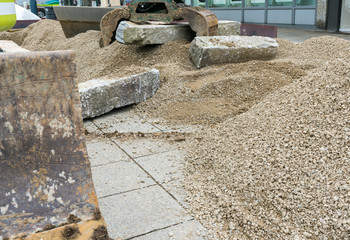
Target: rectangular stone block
[
  {"x": 148, "y": 34},
  {"x": 99, "y": 96},
  {"x": 10, "y": 47},
  {"x": 228, "y": 28},
  {"x": 231, "y": 49}
]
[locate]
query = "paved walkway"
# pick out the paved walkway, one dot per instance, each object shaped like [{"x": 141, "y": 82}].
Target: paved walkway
[
  {"x": 300, "y": 35},
  {"x": 139, "y": 181}
]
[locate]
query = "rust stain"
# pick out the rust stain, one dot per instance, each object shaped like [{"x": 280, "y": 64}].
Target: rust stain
[
  {"x": 86, "y": 229},
  {"x": 92, "y": 198}
]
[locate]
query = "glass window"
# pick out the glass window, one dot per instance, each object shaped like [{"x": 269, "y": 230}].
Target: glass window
[
  {"x": 306, "y": 2},
  {"x": 200, "y": 3},
  {"x": 225, "y": 3},
  {"x": 235, "y": 3},
  {"x": 280, "y": 3},
  {"x": 255, "y": 3}
]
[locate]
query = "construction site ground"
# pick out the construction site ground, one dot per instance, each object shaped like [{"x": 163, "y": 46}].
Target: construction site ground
[
  {"x": 173, "y": 167},
  {"x": 137, "y": 166}
]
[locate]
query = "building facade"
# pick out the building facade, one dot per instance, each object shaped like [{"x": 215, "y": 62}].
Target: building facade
[{"x": 331, "y": 15}]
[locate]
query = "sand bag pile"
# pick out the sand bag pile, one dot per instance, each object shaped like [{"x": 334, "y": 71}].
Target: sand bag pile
[{"x": 281, "y": 169}]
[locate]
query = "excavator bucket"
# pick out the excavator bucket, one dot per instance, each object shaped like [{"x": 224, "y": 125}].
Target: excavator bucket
[
  {"x": 109, "y": 24},
  {"x": 45, "y": 178},
  {"x": 202, "y": 21},
  {"x": 75, "y": 20}
]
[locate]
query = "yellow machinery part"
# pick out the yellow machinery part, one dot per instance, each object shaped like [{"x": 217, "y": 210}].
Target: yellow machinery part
[{"x": 7, "y": 14}]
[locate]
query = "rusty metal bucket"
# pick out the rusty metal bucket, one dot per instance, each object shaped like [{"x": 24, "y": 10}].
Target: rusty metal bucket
[{"x": 45, "y": 173}]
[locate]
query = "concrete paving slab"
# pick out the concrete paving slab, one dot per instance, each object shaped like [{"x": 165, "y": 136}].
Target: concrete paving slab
[
  {"x": 110, "y": 123},
  {"x": 141, "y": 211},
  {"x": 176, "y": 189},
  {"x": 119, "y": 177},
  {"x": 123, "y": 113},
  {"x": 190, "y": 230},
  {"x": 91, "y": 128},
  {"x": 144, "y": 146},
  {"x": 301, "y": 35},
  {"x": 99, "y": 96},
  {"x": 105, "y": 151},
  {"x": 164, "y": 167}
]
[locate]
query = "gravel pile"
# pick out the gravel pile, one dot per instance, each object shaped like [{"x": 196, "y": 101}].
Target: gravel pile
[{"x": 280, "y": 170}]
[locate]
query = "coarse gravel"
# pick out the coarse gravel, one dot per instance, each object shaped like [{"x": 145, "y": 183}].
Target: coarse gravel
[{"x": 280, "y": 170}]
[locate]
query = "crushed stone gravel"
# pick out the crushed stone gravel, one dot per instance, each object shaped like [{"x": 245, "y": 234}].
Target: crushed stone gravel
[{"x": 281, "y": 169}]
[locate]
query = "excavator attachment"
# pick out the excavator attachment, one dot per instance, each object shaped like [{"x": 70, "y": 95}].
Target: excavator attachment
[
  {"x": 201, "y": 20},
  {"x": 45, "y": 178},
  {"x": 109, "y": 23},
  {"x": 75, "y": 20}
]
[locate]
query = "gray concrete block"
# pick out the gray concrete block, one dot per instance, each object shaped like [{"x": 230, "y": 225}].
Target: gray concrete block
[
  {"x": 91, "y": 128},
  {"x": 113, "y": 122},
  {"x": 228, "y": 28},
  {"x": 119, "y": 177},
  {"x": 147, "y": 34},
  {"x": 177, "y": 189},
  {"x": 190, "y": 230},
  {"x": 10, "y": 47},
  {"x": 99, "y": 96},
  {"x": 141, "y": 211},
  {"x": 104, "y": 151},
  {"x": 164, "y": 167},
  {"x": 144, "y": 147},
  {"x": 231, "y": 49}
]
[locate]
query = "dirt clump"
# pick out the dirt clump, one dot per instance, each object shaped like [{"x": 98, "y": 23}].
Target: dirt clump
[
  {"x": 97, "y": 214},
  {"x": 100, "y": 233},
  {"x": 73, "y": 219},
  {"x": 70, "y": 232}
]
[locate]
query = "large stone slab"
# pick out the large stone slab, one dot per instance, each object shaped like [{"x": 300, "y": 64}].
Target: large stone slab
[
  {"x": 231, "y": 49},
  {"x": 228, "y": 28},
  {"x": 10, "y": 47},
  {"x": 148, "y": 34},
  {"x": 99, "y": 96}
]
